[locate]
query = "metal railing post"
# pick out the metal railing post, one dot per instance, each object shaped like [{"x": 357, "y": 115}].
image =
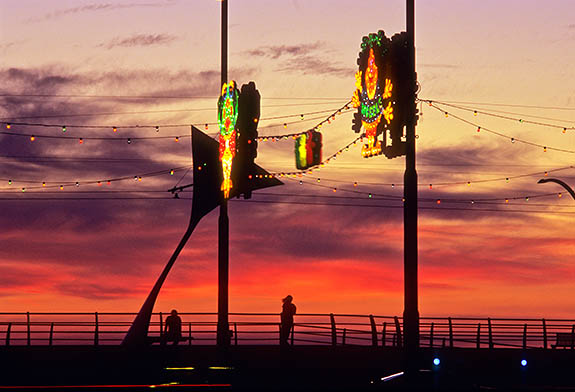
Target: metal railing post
[
  {"x": 524, "y": 336},
  {"x": 190, "y": 333},
  {"x": 333, "y": 330},
  {"x": 8, "y": 330},
  {"x": 431, "y": 335},
  {"x": 373, "y": 331},
  {"x": 28, "y": 332},
  {"x": 383, "y": 334},
  {"x": 544, "y": 334},
  {"x": 280, "y": 333},
  {"x": 399, "y": 340},
  {"x": 572, "y": 336},
  {"x": 343, "y": 337},
  {"x": 161, "y": 327},
  {"x": 96, "y": 337},
  {"x": 490, "y": 331},
  {"x": 292, "y": 333},
  {"x": 450, "y": 332},
  {"x": 236, "y": 334},
  {"x": 50, "y": 339},
  {"x": 478, "y": 342}
]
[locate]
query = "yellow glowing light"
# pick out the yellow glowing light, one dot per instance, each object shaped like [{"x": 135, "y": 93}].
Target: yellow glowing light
[
  {"x": 371, "y": 75},
  {"x": 388, "y": 88},
  {"x": 220, "y": 368},
  {"x": 180, "y": 368},
  {"x": 388, "y": 113}
]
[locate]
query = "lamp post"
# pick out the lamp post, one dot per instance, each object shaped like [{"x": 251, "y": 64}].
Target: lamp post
[{"x": 564, "y": 185}]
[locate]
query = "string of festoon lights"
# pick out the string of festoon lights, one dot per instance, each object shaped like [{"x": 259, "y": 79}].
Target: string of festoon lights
[
  {"x": 382, "y": 196},
  {"x": 10, "y": 126},
  {"x": 328, "y": 120},
  {"x": 15, "y": 183},
  {"x": 480, "y": 128},
  {"x": 469, "y": 183},
  {"x": 493, "y": 113}
]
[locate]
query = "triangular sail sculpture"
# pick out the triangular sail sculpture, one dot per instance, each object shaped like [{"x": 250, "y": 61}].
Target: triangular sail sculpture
[{"x": 207, "y": 196}]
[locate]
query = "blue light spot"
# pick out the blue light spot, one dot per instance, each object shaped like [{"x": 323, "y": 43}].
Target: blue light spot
[
  {"x": 523, "y": 362},
  {"x": 436, "y": 361}
]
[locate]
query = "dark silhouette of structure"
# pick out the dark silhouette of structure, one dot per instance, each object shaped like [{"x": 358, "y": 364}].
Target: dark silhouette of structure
[
  {"x": 564, "y": 185},
  {"x": 173, "y": 329},
  {"x": 288, "y": 311}
]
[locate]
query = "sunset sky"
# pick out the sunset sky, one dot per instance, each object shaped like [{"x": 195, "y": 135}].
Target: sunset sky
[{"x": 157, "y": 62}]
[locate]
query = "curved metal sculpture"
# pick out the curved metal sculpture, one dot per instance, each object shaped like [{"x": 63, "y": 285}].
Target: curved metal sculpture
[{"x": 564, "y": 185}]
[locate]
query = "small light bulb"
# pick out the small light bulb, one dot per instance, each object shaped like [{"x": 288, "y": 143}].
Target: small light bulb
[
  {"x": 9, "y": 182},
  {"x": 369, "y": 195},
  {"x": 32, "y": 138},
  {"x": 139, "y": 178},
  {"x": 99, "y": 183},
  {"x": 544, "y": 149},
  {"x": 546, "y": 174},
  {"x": 559, "y": 195},
  {"x": 77, "y": 183},
  {"x": 206, "y": 127},
  {"x": 355, "y": 184},
  {"x": 334, "y": 190},
  {"x": 177, "y": 139},
  {"x": 446, "y": 114},
  {"x": 527, "y": 198},
  {"x": 8, "y": 126},
  {"x": 255, "y": 120},
  {"x": 157, "y": 129},
  {"x": 438, "y": 201},
  {"x": 172, "y": 172},
  {"x": 506, "y": 200},
  {"x": 468, "y": 183},
  {"x": 43, "y": 184},
  {"x": 129, "y": 141},
  {"x": 478, "y": 129},
  {"x": 81, "y": 141},
  {"x": 63, "y": 128},
  {"x": 512, "y": 140},
  {"x": 285, "y": 125},
  {"x": 115, "y": 129},
  {"x": 301, "y": 116},
  {"x": 61, "y": 187},
  {"x": 109, "y": 182},
  {"x": 475, "y": 112},
  {"x": 430, "y": 186},
  {"x": 23, "y": 189},
  {"x": 564, "y": 130}
]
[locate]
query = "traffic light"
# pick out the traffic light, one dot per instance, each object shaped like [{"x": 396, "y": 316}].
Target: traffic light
[
  {"x": 247, "y": 145},
  {"x": 308, "y": 149}
]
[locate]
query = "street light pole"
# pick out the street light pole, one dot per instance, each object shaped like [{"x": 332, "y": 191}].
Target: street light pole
[
  {"x": 223, "y": 329},
  {"x": 410, "y": 311}
]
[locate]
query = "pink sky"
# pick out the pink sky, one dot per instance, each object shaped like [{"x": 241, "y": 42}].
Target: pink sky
[{"x": 58, "y": 255}]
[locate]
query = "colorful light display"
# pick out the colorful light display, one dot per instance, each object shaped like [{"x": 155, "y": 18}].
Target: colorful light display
[
  {"x": 227, "y": 118},
  {"x": 380, "y": 90},
  {"x": 308, "y": 150}
]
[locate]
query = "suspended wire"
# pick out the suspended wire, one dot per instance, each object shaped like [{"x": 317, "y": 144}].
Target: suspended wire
[
  {"x": 108, "y": 181},
  {"x": 506, "y": 105},
  {"x": 33, "y": 137},
  {"x": 512, "y": 139},
  {"x": 156, "y": 111},
  {"x": 157, "y": 97},
  {"x": 516, "y": 119}
]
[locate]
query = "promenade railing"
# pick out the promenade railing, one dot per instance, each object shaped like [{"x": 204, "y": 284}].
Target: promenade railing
[{"x": 17, "y": 329}]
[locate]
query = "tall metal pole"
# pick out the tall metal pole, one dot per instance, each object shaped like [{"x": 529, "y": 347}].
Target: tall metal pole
[
  {"x": 223, "y": 330},
  {"x": 410, "y": 311}
]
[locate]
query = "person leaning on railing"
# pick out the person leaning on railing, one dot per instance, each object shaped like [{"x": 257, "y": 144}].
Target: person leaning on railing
[{"x": 288, "y": 311}]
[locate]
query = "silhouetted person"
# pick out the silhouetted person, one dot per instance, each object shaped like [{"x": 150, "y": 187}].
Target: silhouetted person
[
  {"x": 288, "y": 311},
  {"x": 173, "y": 329}
]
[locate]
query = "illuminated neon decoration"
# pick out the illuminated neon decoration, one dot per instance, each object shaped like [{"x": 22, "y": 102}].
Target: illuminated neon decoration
[
  {"x": 227, "y": 117},
  {"x": 374, "y": 95},
  {"x": 308, "y": 150}
]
